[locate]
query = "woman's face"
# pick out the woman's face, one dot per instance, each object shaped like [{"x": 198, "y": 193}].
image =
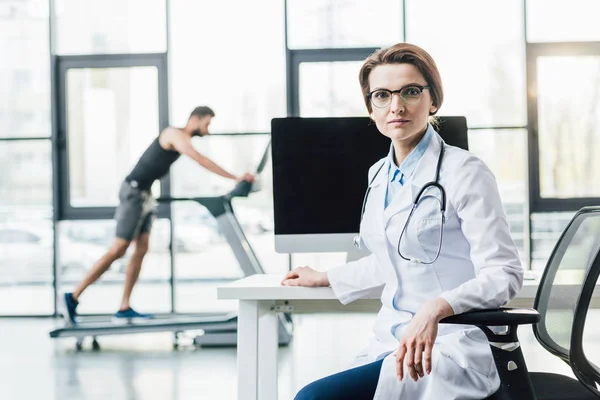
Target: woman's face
[{"x": 400, "y": 121}]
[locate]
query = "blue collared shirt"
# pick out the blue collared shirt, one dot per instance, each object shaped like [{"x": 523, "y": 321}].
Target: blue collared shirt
[{"x": 397, "y": 176}]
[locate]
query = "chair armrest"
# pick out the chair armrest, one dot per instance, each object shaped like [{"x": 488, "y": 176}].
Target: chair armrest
[
  {"x": 497, "y": 317},
  {"x": 505, "y": 346}
]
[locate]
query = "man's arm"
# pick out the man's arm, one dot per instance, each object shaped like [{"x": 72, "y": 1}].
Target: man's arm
[{"x": 183, "y": 145}]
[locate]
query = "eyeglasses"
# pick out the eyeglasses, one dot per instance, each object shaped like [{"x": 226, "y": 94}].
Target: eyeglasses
[{"x": 381, "y": 98}]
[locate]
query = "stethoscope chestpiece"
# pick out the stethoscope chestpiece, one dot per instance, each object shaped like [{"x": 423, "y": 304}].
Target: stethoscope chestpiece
[{"x": 357, "y": 241}]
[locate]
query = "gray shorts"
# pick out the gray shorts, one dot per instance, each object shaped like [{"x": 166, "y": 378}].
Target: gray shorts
[{"x": 135, "y": 212}]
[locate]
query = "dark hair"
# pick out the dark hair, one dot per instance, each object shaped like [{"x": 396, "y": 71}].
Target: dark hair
[
  {"x": 202, "y": 111},
  {"x": 404, "y": 53}
]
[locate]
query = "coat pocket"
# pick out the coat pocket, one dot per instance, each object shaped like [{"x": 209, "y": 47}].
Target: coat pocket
[{"x": 470, "y": 350}]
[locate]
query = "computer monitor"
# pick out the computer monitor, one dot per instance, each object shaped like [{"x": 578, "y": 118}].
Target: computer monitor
[{"x": 320, "y": 175}]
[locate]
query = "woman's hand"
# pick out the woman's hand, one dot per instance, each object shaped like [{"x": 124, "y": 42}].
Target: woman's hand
[
  {"x": 418, "y": 339},
  {"x": 305, "y": 276}
]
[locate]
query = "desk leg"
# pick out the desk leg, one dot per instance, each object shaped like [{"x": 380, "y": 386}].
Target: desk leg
[
  {"x": 268, "y": 344},
  {"x": 257, "y": 351},
  {"x": 247, "y": 350}
]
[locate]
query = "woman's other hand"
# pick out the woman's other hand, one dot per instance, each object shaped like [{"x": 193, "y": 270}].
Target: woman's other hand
[
  {"x": 305, "y": 276},
  {"x": 416, "y": 345}
]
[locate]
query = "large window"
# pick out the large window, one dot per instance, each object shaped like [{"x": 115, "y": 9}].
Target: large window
[
  {"x": 25, "y": 69},
  {"x": 110, "y": 26},
  {"x": 233, "y": 56},
  {"x": 112, "y": 116},
  {"x": 569, "y": 126},
  {"x": 337, "y": 24},
  {"x": 563, "y": 125},
  {"x": 480, "y": 52},
  {"x": 560, "y": 21},
  {"x": 331, "y": 89},
  {"x": 26, "y": 233},
  {"x": 481, "y": 60},
  {"x": 494, "y": 147},
  {"x": 546, "y": 229},
  {"x": 203, "y": 257},
  {"x": 236, "y": 67}
]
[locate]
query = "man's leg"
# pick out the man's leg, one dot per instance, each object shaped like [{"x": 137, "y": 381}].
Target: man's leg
[
  {"x": 134, "y": 268},
  {"x": 117, "y": 250},
  {"x": 126, "y": 313},
  {"x": 128, "y": 216}
]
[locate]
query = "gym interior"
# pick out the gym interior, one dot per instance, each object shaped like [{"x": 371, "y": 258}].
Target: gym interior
[{"x": 88, "y": 85}]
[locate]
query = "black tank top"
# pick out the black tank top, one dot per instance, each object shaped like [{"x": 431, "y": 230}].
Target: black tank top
[{"x": 153, "y": 165}]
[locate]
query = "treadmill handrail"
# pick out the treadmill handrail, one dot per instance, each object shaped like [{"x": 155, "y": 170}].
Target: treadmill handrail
[{"x": 198, "y": 199}]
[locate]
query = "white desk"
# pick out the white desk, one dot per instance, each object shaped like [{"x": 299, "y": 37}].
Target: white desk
[{"x": 261, "y": 297}]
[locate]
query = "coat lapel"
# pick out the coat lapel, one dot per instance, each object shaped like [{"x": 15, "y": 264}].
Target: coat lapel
[{"x": 376, "y": 201}]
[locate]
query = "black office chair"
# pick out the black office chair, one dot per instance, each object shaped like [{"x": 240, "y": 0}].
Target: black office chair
[{"x": 562, "y": 302}]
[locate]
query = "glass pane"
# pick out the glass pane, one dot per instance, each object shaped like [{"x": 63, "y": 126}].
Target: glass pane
[
  {"x": 203, "y": 260},
  {"x": 546, "y": 229},
  {"x": 26, "y": 178},
  {"x": 112, "y": 116},
  {"x": 569, "y": 126},
  {"x": 25, "y": 69},
  {"x": 26, "y": 233},
  {"x": 560, "y": 21},
  {"x": 331, "y": 90},
  {"x": 494, "y": 147},
  {"x": 485, "y": 80},
  {"x": 335, "y": 24},
  {"x": 82, "y": 243},
  {"x": 237, "y": 68},
  {"x": 203, "y": 256},
  {"x": 236, "y": 154},
  {"x": 110, "y": 26}
]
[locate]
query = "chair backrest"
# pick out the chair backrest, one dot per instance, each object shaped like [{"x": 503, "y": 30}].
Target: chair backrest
[
  {"x": 584, "y": 369},
  {"x": 454, "y": 131},
  {"x": 573, "y": 258}
]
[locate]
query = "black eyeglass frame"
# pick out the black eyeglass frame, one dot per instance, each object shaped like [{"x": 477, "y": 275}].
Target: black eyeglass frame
[{"x": 391, "y": 92}]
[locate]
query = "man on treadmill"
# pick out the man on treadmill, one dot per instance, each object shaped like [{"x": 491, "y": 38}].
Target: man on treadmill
[{"x": 135, "y": 212}]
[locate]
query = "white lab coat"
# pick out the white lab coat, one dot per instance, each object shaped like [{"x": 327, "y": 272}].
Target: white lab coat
[{"x": 478, "y": 268}]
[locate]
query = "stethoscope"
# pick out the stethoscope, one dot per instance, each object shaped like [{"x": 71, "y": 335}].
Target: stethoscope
[{"x": 434, "y": 184}]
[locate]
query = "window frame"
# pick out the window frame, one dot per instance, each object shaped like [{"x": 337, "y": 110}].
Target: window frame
[
  {"x": 297, "y": 57},
  {"x": 63, "y": 64}
]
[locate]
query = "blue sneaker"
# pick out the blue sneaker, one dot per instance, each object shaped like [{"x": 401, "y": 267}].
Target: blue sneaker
[
  {"x": 130, "y": 316},
  {"x": 70, "y": 307}
]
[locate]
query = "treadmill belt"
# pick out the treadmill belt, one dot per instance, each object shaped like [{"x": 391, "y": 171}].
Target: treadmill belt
[{"x": 97, "y": 327}]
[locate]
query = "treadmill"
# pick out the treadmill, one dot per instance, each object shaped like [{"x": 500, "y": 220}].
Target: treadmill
[{"x": 219, "y": 329}]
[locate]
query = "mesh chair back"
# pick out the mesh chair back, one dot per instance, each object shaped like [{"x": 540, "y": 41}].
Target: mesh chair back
[
  {"x": 563, "y": 279},
  {"x": 581, "y": 357}
]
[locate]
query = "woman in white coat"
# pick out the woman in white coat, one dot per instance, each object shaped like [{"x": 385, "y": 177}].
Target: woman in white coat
[{"x": 474, "y": 264}]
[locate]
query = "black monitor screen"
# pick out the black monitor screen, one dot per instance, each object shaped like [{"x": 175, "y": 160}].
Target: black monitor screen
[{"x": 320, "y": 168}]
